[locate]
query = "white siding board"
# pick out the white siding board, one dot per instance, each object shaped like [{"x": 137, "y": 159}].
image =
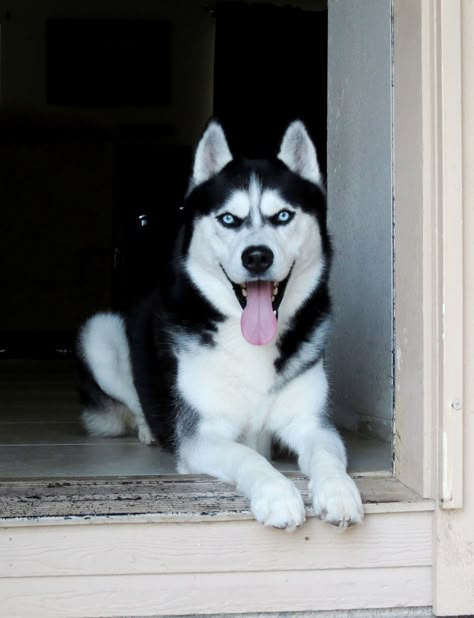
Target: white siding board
[
  {"x": 200, "y": 593},
  {"x": 384, "y": 540}
]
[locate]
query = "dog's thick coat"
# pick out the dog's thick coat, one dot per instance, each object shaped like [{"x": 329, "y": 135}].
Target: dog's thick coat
[{"x": 228, "y": 356}]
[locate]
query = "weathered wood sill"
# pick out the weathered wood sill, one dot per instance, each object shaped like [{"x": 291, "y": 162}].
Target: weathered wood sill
[{"x": 166, "y": 498}]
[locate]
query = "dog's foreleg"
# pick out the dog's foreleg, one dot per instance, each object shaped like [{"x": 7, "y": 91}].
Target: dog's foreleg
[
  {"x": 274, "y": 500},
  {"x": 300, "y": 423},
  {"x": 335, "y": 496}
]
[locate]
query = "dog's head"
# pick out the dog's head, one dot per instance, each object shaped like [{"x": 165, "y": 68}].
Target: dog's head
[{"x": 256, "y": 233}]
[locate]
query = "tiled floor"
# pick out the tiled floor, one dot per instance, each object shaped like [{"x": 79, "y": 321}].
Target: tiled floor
[{"x": 40, "y": 433}]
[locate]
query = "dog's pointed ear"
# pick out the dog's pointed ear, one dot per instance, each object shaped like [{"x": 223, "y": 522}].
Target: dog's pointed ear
[
  {"x": 297, "y": 152},
  {"x": 212, "y": 154}
]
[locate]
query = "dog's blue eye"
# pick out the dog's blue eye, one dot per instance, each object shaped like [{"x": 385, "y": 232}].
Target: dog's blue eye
[
  {"x": 228, "y": 220},
  {"x": 284, "y": 216}
]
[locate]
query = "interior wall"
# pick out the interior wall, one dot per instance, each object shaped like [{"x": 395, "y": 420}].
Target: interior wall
[
  {"x": 23, "y": 56},
  {"x": 360, "y": 213}
]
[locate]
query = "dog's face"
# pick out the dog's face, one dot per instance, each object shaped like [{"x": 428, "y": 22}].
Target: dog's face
[{"x": 258, "y": 230}]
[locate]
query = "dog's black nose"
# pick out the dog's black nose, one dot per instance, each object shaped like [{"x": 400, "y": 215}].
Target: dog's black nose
[{"x": 257, "y": 259}]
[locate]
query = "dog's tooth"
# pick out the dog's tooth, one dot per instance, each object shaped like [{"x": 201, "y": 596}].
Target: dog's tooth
[
  {"x": 273, "y": 298},
  {"x": 244, "y": 291}
]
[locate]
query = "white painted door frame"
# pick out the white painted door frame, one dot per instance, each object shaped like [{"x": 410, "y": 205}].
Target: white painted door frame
[{"x": 434, "y": 264}]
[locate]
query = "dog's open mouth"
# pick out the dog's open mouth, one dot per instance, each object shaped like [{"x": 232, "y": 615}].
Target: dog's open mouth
[
  {"x": 272, "y": 289},
  {"x": 260, "y": 301}
]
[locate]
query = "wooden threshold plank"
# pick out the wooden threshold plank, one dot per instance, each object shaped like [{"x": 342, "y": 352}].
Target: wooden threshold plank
[{"x": 168, "y": 498}]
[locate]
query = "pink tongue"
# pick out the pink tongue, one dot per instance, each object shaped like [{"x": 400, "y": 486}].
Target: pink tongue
[{"x": 258, "y": 322}]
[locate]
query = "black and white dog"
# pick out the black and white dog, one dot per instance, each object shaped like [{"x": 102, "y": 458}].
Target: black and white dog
[{"x": 229, "y": 356}]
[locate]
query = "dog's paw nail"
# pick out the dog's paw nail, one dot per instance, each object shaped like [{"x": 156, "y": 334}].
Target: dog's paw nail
[
  {"x": 278, "y": 504},
  {"x": 337, "y": 502}
]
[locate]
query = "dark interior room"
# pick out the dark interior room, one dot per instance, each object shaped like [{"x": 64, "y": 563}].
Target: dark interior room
[{"x": 101, "y": 105}]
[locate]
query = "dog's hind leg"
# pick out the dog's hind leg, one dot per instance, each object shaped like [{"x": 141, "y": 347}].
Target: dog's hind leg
[{"x": 108, "y": 394}]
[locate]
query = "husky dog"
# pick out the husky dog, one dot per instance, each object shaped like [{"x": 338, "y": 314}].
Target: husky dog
[{"x": 229, "y": 355}]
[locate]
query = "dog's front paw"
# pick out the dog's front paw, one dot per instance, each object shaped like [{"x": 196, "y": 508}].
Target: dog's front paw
[
  {"x": 336, "y": 500},
  {"x": 278, "y": 503}
]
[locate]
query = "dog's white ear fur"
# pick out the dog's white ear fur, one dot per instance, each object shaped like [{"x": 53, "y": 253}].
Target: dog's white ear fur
[
  {"x": 212, "y": 154},
  {"x": 297, "y": 152}
]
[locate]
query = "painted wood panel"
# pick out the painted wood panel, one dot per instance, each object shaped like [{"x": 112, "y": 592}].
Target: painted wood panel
[
  {"x": 451, "y": 163},
  {"x": 454, "y": 531},
  {"x": 200, "y": 593},
  {"x": 414, "y": 294},
  {"x": 388, "y": 540}
]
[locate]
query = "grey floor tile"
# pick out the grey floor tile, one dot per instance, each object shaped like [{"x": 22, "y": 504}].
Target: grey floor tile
[
  {"x": 58, "y": 433},
  {"x": 367, "y": 454},
  {"x": 84, "y": 460},
  {"x": 39, "y": 413},
  {"x": 40, "y": 433}
]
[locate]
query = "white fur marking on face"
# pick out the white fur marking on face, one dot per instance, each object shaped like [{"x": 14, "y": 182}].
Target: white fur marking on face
[
  {"x": 242, "y": 202},
  {"x": 213, "y": 248},
  {"x": 255, "y": 197},
  {"x": 237, "y": 204},
  {"x": 212, "y": 154},
  {"x": 272, "y": 202},
  {"x": 297, "y": 152}
]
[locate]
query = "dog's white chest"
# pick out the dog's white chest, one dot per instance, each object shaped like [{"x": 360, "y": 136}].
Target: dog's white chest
[{"x": 231, "y": 379}]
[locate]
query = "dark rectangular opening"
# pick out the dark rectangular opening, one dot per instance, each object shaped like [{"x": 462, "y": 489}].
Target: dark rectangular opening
[{"x": 100, "y": 116}]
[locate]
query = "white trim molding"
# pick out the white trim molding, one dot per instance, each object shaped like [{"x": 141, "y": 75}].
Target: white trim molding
[
  {"x": 451, "y": 397},
  {"x": 428, "y": 203}
]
